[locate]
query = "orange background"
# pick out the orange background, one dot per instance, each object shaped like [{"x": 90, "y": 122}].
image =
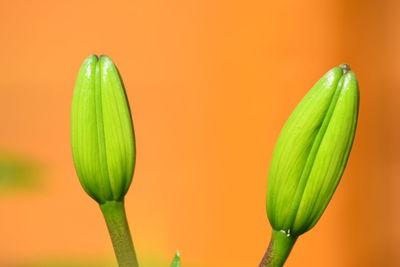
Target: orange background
[{"x": 210, "y": 83}]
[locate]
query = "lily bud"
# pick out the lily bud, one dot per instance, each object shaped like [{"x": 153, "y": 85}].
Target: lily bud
[
  {"x": 102, "y": 136},
  {"x": 311, "y": 153}
]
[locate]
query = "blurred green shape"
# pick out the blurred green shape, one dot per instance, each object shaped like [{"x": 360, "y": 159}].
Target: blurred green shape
[
  {"x": 18, "y": 172},
  {"x": 147, "y": 260},
  {"x": 150, "y": 260},
  {"x": 177, "y": 260},
  {"x": 60, "y": 262}
]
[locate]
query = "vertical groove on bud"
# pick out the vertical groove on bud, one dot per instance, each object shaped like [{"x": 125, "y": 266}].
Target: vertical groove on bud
[{"x": 101, "y": 140}]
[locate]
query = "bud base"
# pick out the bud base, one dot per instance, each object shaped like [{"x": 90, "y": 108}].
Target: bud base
[{"x": 278, "y": 250}]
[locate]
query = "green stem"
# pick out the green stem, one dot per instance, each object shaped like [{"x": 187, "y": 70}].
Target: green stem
[
  {"x": 114, "y": 214},
  {"x": 278, "y": 250}
]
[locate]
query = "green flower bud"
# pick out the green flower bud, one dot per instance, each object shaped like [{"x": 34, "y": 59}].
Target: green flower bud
[
  {"x": 311, "y": 153},
  {"x": 103, "y": 144}
]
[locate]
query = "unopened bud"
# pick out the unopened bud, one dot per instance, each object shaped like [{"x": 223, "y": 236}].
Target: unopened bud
[
  {"x": 102, "y": 136},
  {"x": 312, "y": 151}
]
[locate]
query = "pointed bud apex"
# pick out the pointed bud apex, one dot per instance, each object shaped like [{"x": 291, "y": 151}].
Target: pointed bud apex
[
  {"x": 312, "y": 151},
  {"x": 102, "y": 136}
]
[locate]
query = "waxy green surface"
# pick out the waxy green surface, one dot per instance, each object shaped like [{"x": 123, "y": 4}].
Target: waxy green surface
[
  {"x": 102, "y": 135},
  {"x": 312, "y": 151}
]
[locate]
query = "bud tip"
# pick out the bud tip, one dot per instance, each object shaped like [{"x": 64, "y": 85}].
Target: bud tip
[{"x": 345, "y": 68}]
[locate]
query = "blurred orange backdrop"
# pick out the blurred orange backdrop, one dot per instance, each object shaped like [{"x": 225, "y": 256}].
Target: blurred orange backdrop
[{"x": 210, "y": 83}]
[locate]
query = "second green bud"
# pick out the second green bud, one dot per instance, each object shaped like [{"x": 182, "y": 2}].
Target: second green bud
[{"x": 311, "y": 153}]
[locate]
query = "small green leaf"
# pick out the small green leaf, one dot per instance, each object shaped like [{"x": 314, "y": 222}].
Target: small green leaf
[
  {"x": 18, "y": 172},
  {"x": 177, "y": 260}
]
